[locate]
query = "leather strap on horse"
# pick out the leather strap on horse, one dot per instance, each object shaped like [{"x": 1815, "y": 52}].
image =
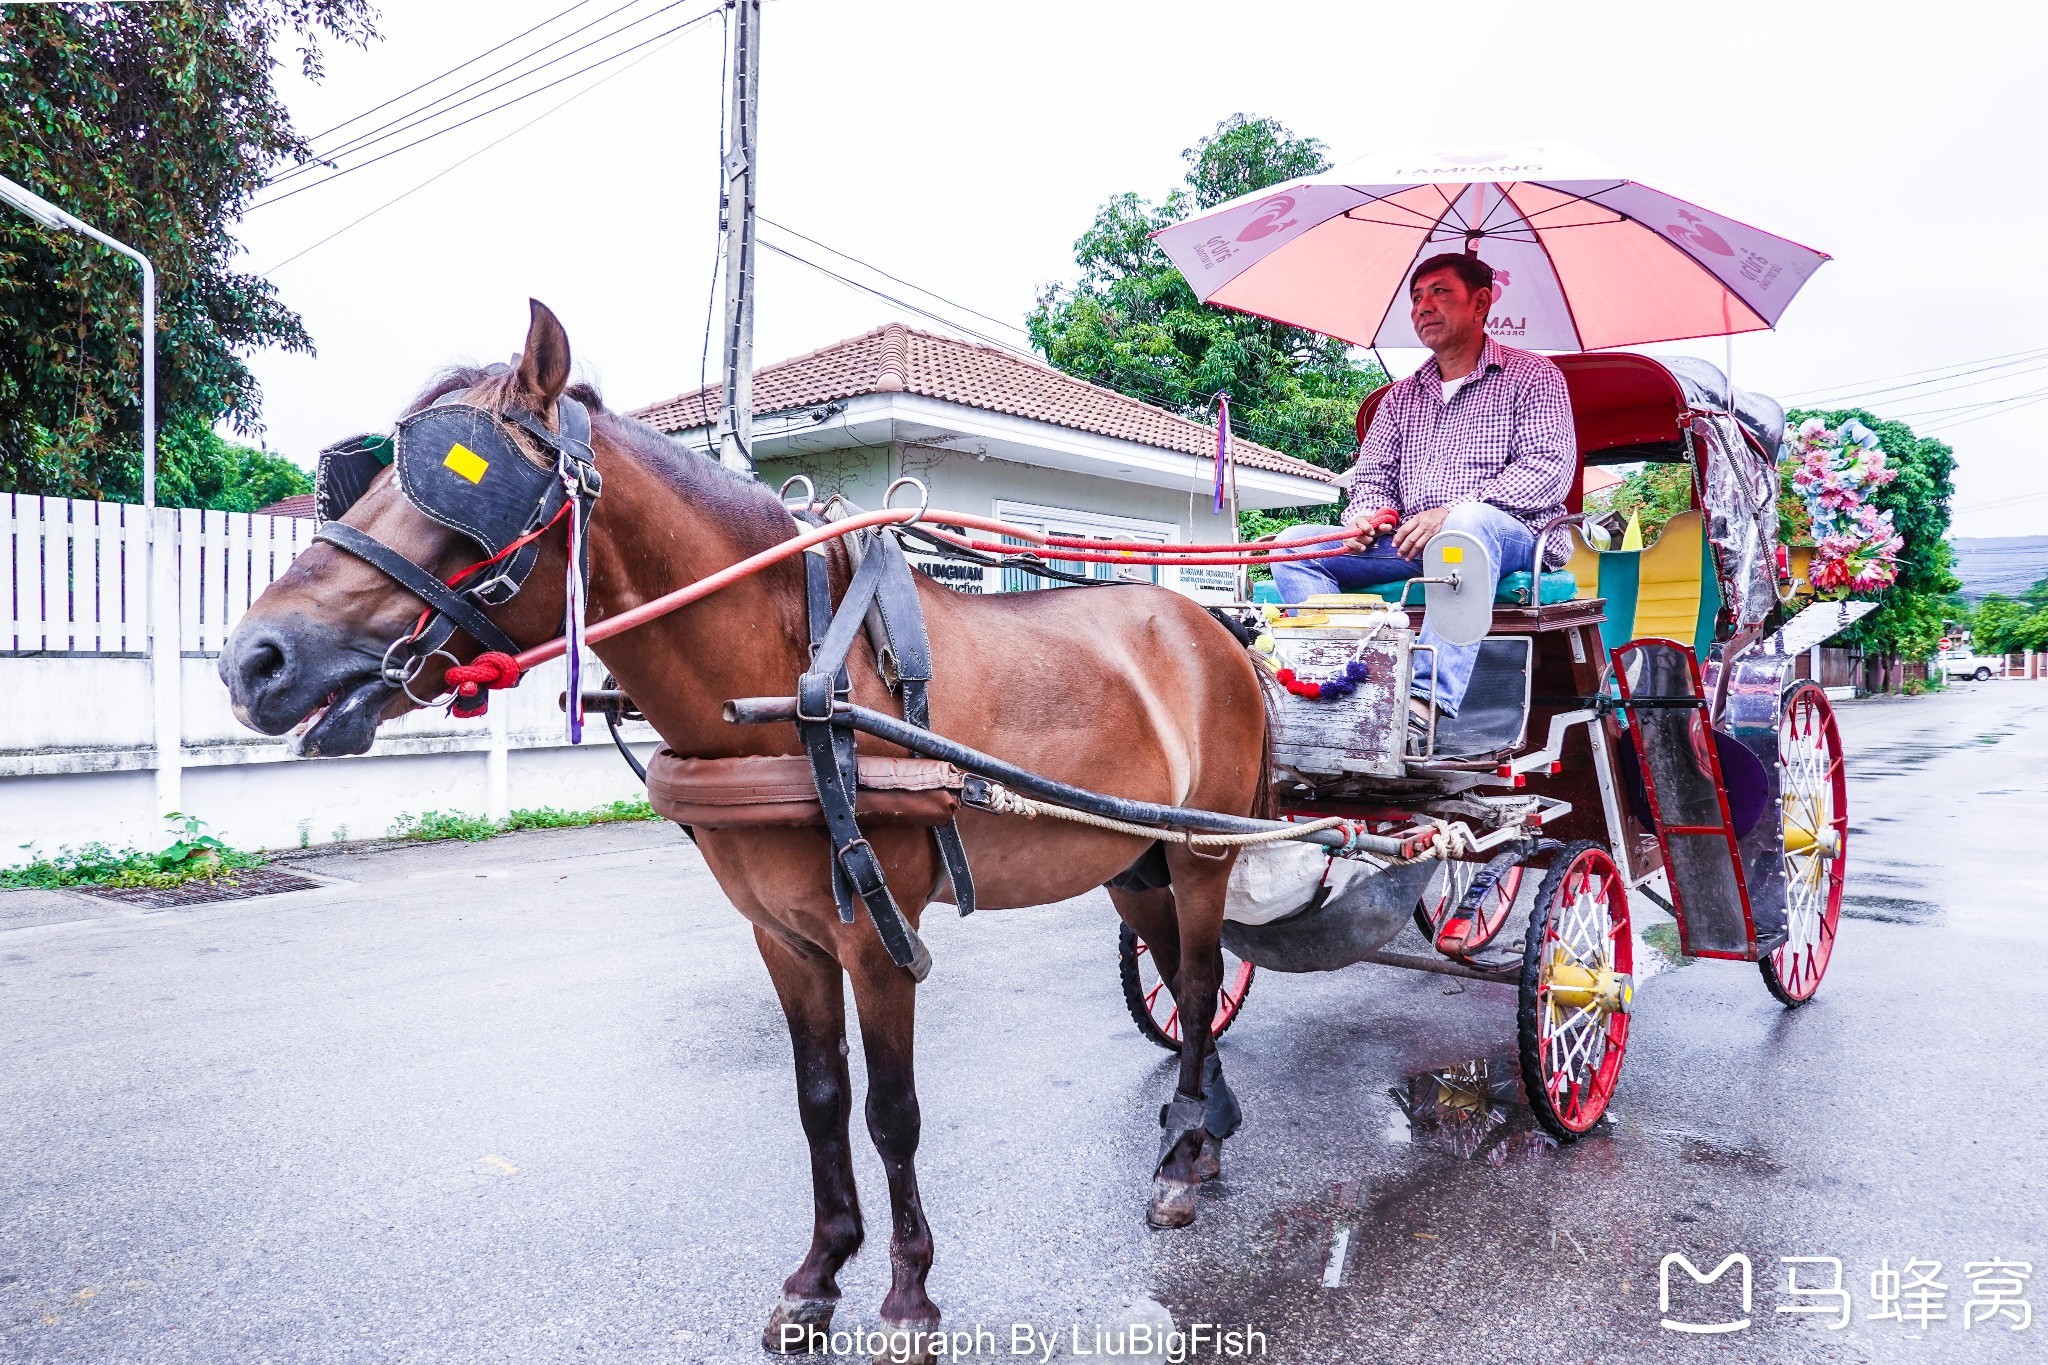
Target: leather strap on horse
[
  {"x": 417, "y": 581},
  {"x": 882, "y": 581},
  {"x": 911, "y": 651}
]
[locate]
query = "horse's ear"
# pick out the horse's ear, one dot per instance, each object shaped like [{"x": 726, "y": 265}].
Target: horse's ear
[{"x": 544, "y": 362}]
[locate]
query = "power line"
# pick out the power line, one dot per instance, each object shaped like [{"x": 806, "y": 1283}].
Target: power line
[
  {"x": 427, "y": 113},
  {"x": 1972, "y": 407},
  {"x": 1941, "y": 371},
  {"x": 434, "y": 80},
  {"x": 897, "y": 279},
  {"x": 943, "y": 321},
  {"x": 549, "y": 112},
  {"x": 2003, "y": 502},
  {"x": 718, "y": 241},
  {"x": 1160, "y": 398},
  {"x": 1901, "y": 396},
  {"x": 429, "y": 137},
  {"x": 1965, "y": 421}
]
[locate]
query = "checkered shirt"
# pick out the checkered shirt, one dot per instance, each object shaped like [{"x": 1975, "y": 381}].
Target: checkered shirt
[{"x": 1505, "y": 438}]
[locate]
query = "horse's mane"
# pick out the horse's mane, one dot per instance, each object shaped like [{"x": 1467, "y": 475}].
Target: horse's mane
[{"x": 743, "y": 503}]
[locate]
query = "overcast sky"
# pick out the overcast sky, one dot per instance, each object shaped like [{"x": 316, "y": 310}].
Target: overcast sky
[{"x": 963, "y": 146}]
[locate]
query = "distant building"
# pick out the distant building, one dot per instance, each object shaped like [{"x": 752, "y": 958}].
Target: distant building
[
  {"x": 297, "y": 505},
  {"x": 993, "y": 433}
]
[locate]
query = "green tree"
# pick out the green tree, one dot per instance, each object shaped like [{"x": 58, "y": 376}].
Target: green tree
[
  {"x": 1652, "y": 493},
  {"x": 156, "y": 123},
  {"x": 1909, "y": 615},
  {"x": 195, "y": 467},
  {"x": 1131, "y": 323},
  {"x": 1996, "y": 623}
]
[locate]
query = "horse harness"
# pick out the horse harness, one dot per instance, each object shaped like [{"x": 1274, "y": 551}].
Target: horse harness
[
  {"x": 882, "y": 598},
  {"x": 460, "y": 467}
]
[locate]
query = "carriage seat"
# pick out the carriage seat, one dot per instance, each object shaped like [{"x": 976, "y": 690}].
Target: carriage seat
[{"x": 1668, "y": 591}]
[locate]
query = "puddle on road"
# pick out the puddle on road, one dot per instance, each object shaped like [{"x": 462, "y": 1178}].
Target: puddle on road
[
  {"x": 1891, "y": 909},
  {"x": 1476, "y": 1111}
]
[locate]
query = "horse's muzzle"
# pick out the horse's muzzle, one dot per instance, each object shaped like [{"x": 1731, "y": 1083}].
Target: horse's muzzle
[{"x": 282, "y": 676}]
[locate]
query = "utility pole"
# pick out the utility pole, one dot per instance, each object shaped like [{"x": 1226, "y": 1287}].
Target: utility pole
[{"x": 736, "y": 420}]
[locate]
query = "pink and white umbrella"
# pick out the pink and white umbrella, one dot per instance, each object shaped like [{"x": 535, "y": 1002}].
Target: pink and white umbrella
[{"x": 1583, "y": 259}]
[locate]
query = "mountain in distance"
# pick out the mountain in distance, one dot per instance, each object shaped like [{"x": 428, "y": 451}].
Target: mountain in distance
[{"x": 2002, "y": 564}]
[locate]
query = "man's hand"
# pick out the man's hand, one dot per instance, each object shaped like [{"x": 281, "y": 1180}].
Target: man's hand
[
  {"x": 1368, "y": 526},
  {"x": 1416, "y": 531}
]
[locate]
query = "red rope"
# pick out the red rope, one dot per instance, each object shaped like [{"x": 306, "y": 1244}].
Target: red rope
[
  {"x": 474, "y": 680},
  {"x": 1276, "y": 553},
  {"x": 1154, "y": 547}
]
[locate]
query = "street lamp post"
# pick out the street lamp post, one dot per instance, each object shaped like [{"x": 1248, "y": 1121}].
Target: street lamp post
[
  {"x": 49, "y": 215},
  {"x": 160, "y": 595}
]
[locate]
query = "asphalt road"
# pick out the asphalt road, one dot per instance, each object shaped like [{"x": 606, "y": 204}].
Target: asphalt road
[{"x": 530, "y": 1101}]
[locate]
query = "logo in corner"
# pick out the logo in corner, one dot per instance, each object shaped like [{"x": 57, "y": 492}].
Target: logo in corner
[{"x": 1698, "y": 1328}]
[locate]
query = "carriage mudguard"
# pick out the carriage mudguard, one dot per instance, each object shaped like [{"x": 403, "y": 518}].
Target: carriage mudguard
[
  {"x": 728, "y": 793},
  {"x": 1682, "y": 773}
]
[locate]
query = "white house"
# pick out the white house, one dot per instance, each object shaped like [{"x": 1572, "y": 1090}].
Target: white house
[{"x": 990, "y": 432}]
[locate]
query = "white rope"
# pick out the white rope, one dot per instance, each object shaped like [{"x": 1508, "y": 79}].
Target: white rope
[{"x": 1003, "y": 801}]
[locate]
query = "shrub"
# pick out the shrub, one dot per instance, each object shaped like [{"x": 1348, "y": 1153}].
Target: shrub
[
  {"x": 455, "y": 825},
  {"x": 194, "y": 855}
]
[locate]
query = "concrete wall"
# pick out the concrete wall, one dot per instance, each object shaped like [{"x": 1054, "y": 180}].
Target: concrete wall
[{"x": 77, "y": 763}]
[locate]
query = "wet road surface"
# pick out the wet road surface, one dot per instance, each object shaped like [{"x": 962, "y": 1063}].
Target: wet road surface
[{"x": 530, "y": 1101}]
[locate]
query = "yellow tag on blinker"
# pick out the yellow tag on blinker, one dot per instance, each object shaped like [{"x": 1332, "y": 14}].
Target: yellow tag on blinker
[
  {"x": 466, "y": 462},
  {"x": 1453, "y": 554}
]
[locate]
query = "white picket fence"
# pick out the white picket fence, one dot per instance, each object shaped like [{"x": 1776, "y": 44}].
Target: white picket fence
[
  {"x": 71, "y": 578},
  {"x": 106, "y": 728}
]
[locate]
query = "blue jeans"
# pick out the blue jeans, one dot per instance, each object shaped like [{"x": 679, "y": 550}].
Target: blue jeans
[{"x": 1510, "y": 546}]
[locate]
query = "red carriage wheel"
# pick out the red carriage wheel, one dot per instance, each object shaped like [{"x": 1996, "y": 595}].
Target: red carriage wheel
[
  {"x": 1151, "y": 1003},
  {"x": 1577, "y": 987},
  {"x": 1814, "y": 792}
]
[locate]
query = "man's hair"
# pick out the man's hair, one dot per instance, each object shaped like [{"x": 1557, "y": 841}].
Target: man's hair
[{"x": 1475, "y": 273}]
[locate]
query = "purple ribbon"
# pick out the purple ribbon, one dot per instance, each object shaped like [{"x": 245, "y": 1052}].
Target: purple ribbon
[{"x": 1222, "y": 445}]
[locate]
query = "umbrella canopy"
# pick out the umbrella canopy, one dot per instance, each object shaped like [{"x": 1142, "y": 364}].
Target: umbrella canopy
[{"x": 1583, "y": 258}]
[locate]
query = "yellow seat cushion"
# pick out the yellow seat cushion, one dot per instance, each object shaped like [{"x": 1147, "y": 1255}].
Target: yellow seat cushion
[{"x": 1671, "y": 581}]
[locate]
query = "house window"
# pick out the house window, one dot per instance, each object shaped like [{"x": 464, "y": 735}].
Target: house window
[{"x": 1093, "y": 525}]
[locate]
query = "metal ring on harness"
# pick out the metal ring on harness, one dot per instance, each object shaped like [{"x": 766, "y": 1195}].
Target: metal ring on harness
[
  {"x": 402, "y": 678},
  {"x": 810, "y": 490},
  {"x": 924, "y": 496}
]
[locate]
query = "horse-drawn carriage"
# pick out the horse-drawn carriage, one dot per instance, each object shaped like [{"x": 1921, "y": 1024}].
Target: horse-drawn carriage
[{"x": 1633, "y": 712}]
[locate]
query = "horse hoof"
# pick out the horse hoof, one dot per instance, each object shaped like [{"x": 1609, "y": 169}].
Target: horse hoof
[
  {"x": 796, "y": 1325},
  {"x": 907, "y": 1343},
  {"x": 1208, "y": 1164},
  {"x": 1173, "y": 1203}
]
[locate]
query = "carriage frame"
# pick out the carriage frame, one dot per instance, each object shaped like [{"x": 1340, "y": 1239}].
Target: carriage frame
[{"x": 1707, "y": 760}]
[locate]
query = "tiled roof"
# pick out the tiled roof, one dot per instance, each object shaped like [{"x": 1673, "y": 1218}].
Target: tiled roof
[
  {"x": 900, "y": 359},
  {"x": 297, "y": 505}
]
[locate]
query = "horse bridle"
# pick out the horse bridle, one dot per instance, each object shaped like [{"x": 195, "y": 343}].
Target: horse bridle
[{"x": 445, "y": 455}]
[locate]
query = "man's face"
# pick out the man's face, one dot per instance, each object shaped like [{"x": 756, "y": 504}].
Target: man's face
[{"x": 1446, "y": 314}]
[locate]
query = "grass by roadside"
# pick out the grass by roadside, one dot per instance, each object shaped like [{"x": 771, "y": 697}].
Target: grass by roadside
[
  {"x": 192, "y": 855},
  {"x": 436, "y": 824}
]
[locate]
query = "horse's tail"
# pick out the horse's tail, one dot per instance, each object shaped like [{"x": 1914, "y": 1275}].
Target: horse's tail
[{"x": 1262, "y": 798}]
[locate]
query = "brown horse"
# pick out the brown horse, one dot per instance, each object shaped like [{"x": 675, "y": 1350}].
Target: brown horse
[{"x": 1130, "y": 690}]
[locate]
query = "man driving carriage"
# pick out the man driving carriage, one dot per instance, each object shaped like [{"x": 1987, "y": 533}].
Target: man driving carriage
[{"x": 1478, "y": 440}]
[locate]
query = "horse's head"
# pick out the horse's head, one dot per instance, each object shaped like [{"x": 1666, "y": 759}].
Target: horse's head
[{"x": 470, "y": 476}]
